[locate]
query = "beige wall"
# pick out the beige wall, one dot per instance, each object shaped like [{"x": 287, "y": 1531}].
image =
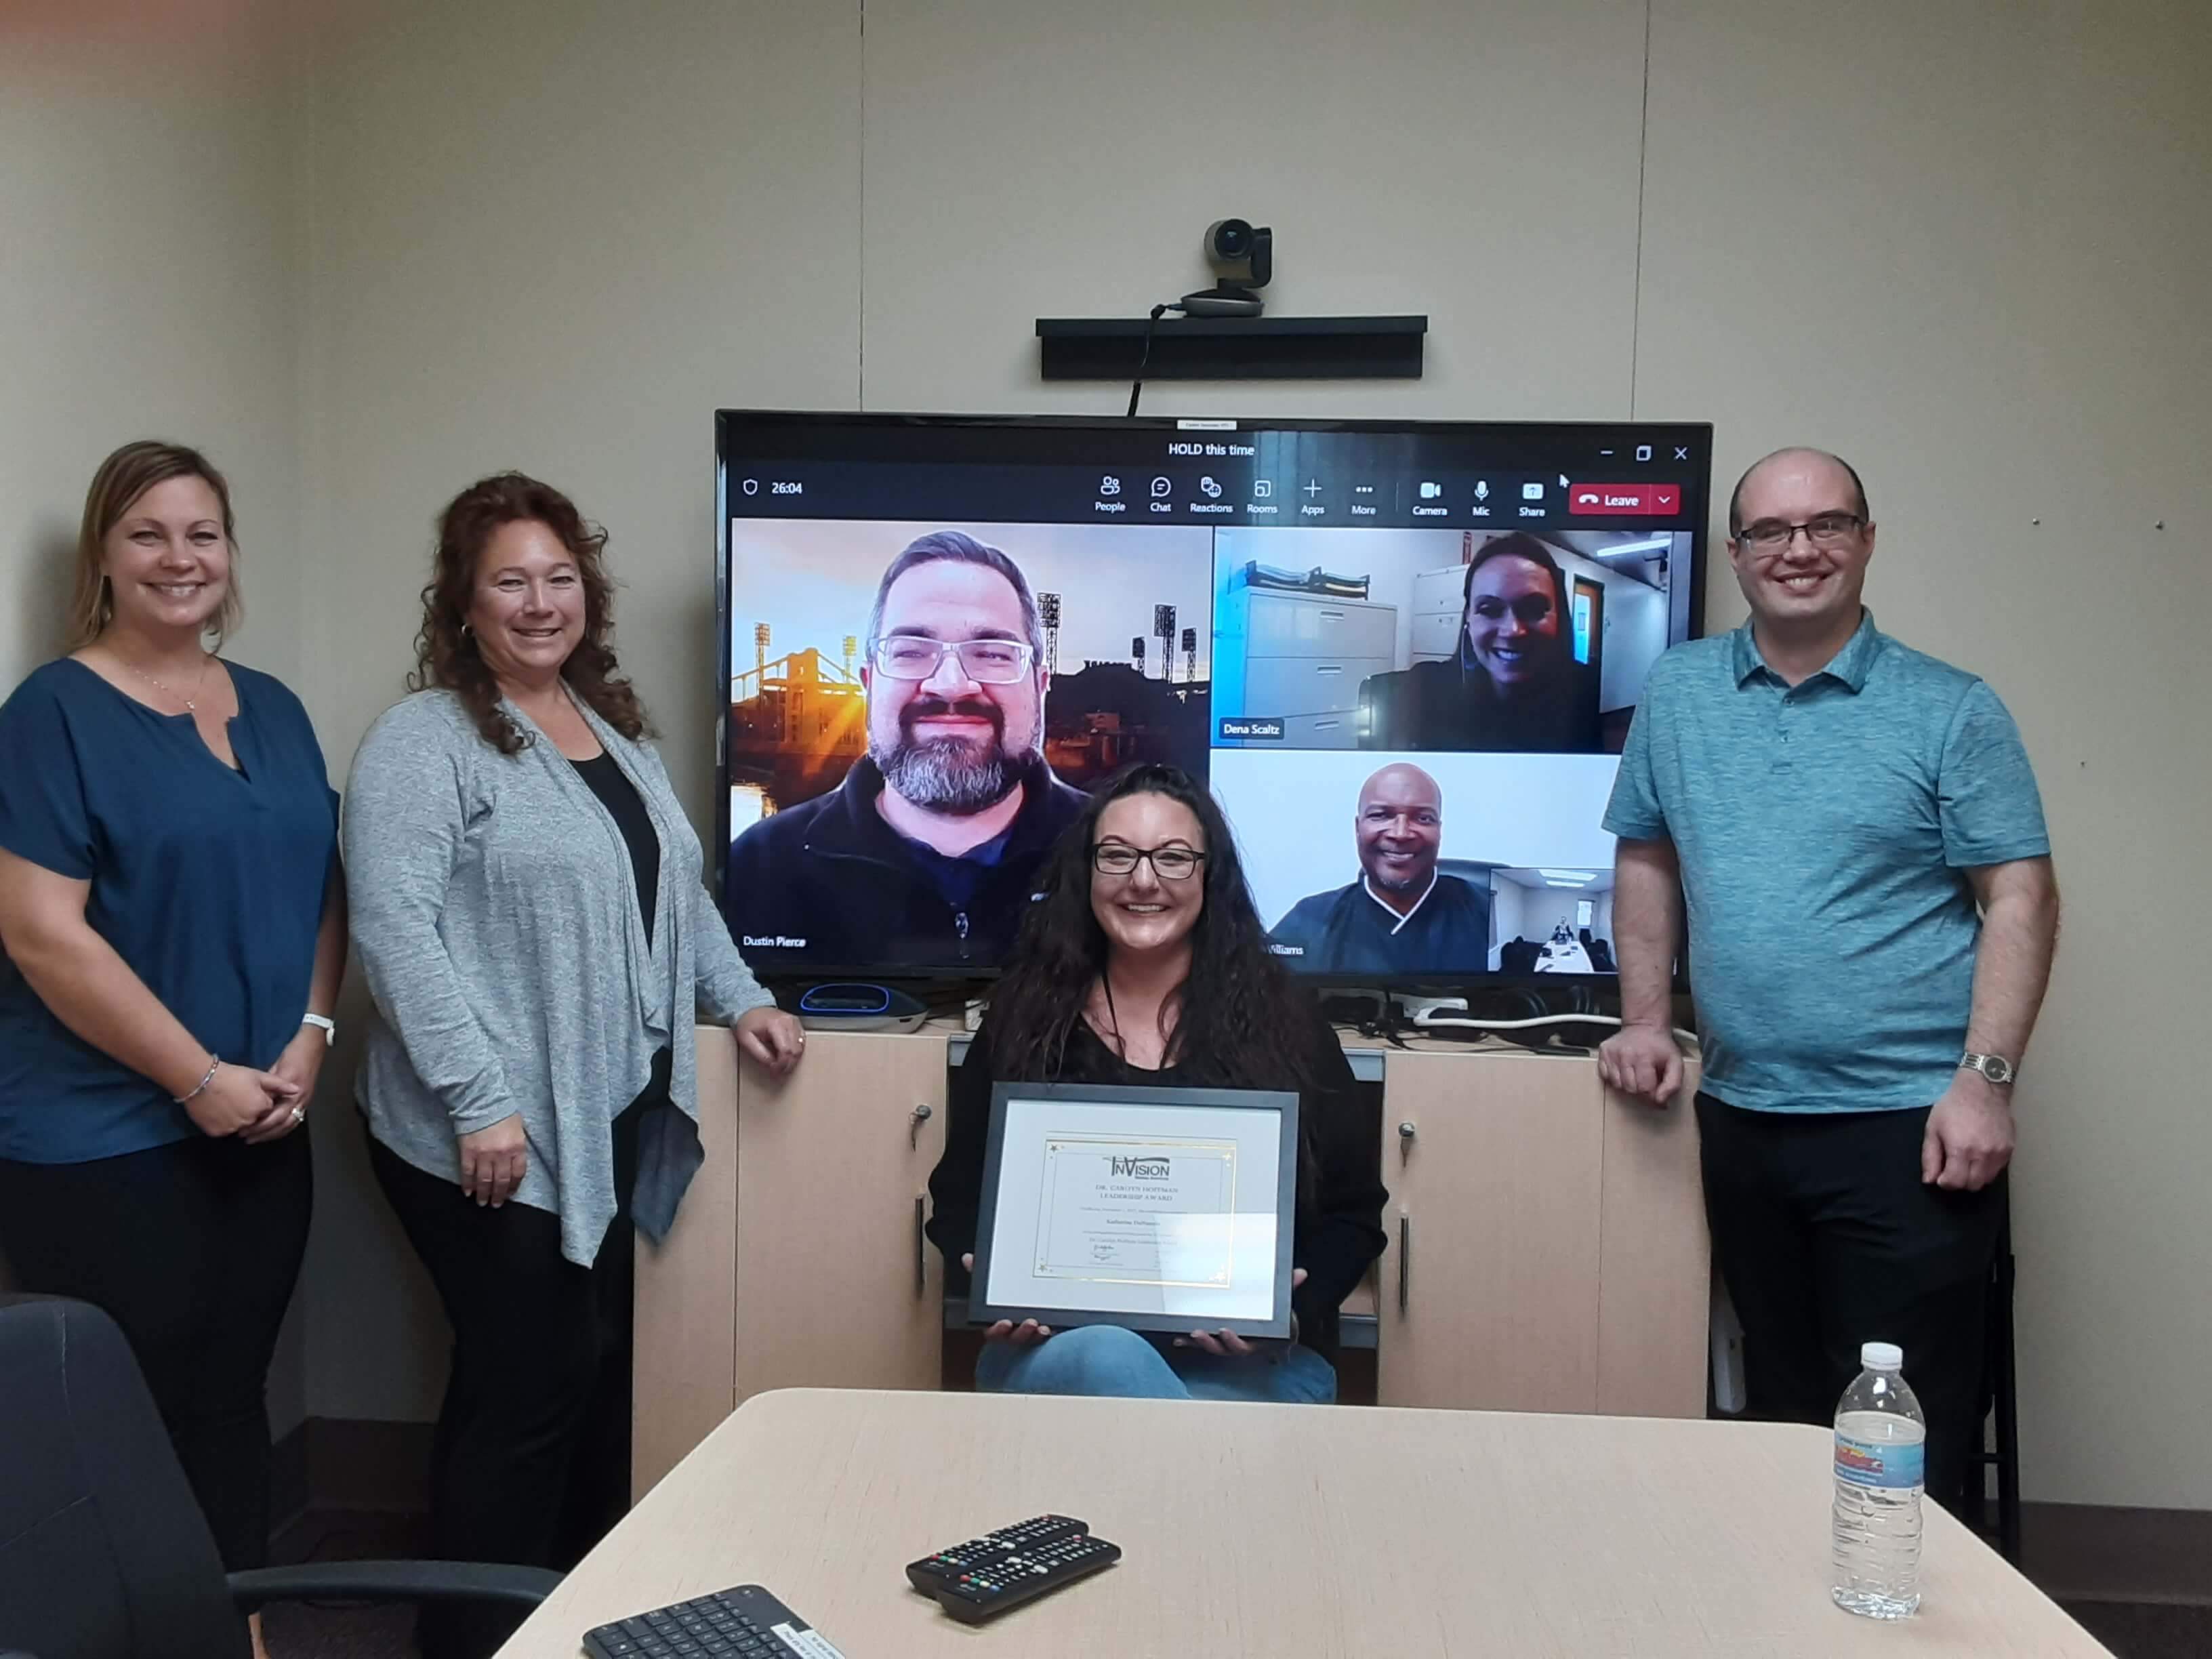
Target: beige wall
[
  {"x": 1976, "y": 266},
  {"x": 1962, "y": 242},
  {"x": 550, "y": 237},
  {"x": 148, "y": 287}
]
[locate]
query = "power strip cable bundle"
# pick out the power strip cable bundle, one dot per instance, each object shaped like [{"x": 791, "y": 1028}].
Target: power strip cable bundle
[{"x": 1451, "y": 1014}]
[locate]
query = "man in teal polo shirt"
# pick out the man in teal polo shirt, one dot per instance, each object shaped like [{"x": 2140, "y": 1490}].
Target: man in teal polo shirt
[{"x": 1853, "y": 836}]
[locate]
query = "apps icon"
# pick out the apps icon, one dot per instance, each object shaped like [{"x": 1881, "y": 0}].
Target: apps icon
[
  {"x": 1109, "y": 485},
  {"x": 1532, "y": 492},
  {"x": 1160, "y": 488},
  {"x": 1212, "y": 489}
]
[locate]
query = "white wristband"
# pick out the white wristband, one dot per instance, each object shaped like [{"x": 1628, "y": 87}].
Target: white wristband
[{"x": 330, "y": 1026}]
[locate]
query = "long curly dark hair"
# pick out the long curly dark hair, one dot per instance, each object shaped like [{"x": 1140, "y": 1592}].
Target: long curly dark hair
[
  {"x": 1240, "y": 1021},
  {"x": 445, "y": 654}
]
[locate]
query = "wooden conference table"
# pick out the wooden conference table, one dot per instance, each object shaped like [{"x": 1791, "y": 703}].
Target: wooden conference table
[{"x": 1287, "y": 1532}]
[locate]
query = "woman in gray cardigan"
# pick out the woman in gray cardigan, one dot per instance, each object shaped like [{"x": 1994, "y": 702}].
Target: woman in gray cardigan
[{"x": 528, "y": 906}]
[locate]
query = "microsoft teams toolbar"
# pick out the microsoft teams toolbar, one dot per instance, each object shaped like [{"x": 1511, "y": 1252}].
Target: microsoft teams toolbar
[{"x": 1332, "y": 475}]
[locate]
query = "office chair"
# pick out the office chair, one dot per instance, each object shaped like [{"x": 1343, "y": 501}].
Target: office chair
[{"x": 104, "y": 1554}]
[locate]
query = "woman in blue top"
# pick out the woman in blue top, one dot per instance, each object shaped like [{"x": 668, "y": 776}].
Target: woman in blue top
[{"x": 175, "y": 932}]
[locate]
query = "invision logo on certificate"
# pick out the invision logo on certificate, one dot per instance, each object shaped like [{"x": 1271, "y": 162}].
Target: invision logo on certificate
[{"x": 1146, "y": 1212}]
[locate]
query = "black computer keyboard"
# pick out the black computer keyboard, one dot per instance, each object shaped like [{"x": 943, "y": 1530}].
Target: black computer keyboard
[{"x": 744, "y": 1623}]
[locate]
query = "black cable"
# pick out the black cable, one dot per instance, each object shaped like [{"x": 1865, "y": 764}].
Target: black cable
[{"x": 1137, "y": 385}]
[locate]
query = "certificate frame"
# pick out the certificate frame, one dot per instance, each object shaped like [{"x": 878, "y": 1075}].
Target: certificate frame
[{"x": 1043, "y": 1254}]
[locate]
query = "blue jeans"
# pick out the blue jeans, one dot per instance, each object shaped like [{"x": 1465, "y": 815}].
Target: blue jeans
[{"x": 1110, "y": 1360}]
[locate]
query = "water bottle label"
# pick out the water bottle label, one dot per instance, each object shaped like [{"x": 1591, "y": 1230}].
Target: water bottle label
[{"x": 1869, "y": 1463}]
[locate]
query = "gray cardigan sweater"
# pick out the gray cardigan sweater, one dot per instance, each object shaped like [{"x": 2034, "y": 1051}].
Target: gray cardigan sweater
[{"x": 493, "y": 906}]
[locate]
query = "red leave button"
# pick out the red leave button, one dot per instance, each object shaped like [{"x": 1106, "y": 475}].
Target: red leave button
[{"x": 1624, "y": 500}]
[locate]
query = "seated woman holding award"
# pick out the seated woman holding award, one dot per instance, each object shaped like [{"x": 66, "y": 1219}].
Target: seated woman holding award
[{"x": 1143, "y": 966}]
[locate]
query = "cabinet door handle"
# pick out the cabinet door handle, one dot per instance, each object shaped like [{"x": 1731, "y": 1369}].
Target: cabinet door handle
[
  {"x": 1405, "y": 1256},
  {"x": 1329, "y": 668},
  {"x": 1405, "y": 1141},
  {"x": 915, "y": 1119},
  {"x": 921, "y": 1247}
]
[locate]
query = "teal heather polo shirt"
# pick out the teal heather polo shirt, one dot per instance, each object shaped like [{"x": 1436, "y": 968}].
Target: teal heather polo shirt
[{"x": 1824, "y": 831}]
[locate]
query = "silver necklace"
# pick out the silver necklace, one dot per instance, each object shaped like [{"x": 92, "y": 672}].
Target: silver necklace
[{"x": 191, "y": 703}]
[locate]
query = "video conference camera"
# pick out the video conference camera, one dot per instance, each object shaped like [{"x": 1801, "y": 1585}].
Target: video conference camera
[{"x": 1244, "y": 256}]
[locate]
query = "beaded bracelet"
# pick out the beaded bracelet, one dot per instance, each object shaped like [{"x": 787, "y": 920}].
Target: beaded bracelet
[{"x": 214, "y": 1065}]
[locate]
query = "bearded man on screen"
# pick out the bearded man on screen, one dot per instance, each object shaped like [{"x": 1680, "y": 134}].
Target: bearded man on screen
[{"x": 924, "y": 857}]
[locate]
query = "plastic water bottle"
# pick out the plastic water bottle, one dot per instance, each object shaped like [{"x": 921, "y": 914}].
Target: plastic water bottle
[{"x": 1881, "y": 1456}]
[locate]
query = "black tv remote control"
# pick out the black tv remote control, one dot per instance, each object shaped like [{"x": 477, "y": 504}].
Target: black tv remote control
[
  {"x": 993, "y": 1547},
  {"x": 984, "y": 1593},
  {"x": 743, "y": 1623}
]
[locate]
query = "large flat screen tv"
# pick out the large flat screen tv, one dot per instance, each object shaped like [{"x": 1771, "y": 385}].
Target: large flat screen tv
[{"x": 1403, "y": 654}]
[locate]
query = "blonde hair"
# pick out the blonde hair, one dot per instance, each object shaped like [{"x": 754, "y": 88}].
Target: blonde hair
[{"x": 122, "y": 478}]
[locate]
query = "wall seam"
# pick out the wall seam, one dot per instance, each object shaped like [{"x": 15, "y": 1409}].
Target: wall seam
[
  {"x": 1642, "y": 154},
  {"x": 860, "y": 256}
]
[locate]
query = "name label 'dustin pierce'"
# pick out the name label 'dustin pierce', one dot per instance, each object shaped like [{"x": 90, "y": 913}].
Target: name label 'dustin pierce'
[
  {"x": 772, "y": 941},
  {"x": 1141, "y": 1168}
]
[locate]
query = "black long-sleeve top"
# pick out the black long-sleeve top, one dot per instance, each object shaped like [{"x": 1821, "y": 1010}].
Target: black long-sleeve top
[{"x": 1338, "y": 1229}]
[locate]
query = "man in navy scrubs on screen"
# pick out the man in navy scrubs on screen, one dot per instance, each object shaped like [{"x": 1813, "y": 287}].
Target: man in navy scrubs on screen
[
  {"x": 925, "y": 856},
  {"x": 1402, "y": 916}
]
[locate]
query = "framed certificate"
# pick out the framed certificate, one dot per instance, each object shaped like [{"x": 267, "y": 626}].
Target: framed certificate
[{"x": 1159, "y": 1209}]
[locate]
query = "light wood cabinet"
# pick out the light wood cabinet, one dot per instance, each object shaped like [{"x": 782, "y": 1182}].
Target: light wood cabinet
[
  {"x": 1655, "y": 1259},
  {"x": 836, "y": 1283},
  {"x": 683, "y": 1362},
  {"x": 1493, "y": 1225},
  {"x": 1547, "y": 1242},
  {"x": 796, "y": 1259}
]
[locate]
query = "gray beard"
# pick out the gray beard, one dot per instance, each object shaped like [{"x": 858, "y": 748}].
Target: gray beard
[{"x": 947, "y": 774}]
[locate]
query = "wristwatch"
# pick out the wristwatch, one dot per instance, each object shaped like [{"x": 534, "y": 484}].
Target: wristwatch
[
  {"x": 1996, "y": 1067},
  {"x": 330, "y": 1026}
]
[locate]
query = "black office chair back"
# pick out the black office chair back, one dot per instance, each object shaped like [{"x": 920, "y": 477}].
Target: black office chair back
[{"x": 104, "y": 1554}]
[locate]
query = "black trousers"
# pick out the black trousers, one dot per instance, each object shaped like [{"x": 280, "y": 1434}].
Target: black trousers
[
  {"x": 530, "y": 1462},
  {"x": 1826, "y": 1237},
  {"x": 193, "y": 1250}
]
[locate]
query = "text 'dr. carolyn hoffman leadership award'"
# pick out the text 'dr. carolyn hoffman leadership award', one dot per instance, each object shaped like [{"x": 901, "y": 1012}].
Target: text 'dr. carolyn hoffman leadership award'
[{"x": 1159, "y": 1209}]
